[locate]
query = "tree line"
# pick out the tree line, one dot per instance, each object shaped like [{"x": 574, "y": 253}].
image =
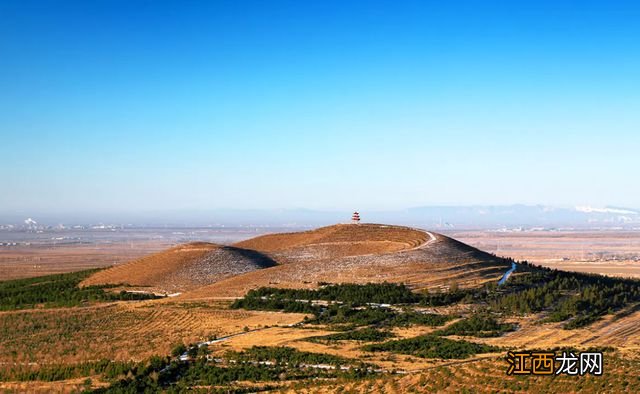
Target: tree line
[
  {"x": 356, "y": 294},
  {"x": 432, "y": 346},
  {"x": 53, "y": 372},
  {"x": 367, "y": 334},
  {"x": 577, "y": 298},
  {"x": 59, "y": 290},
  {"x": 256, "y": 364},
  {"x": 478, "y": 325}
]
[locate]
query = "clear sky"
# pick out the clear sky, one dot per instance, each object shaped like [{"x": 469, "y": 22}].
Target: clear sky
[{"x": 145, "y": 105}]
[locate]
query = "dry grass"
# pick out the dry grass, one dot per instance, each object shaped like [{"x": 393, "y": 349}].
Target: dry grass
[
  {"x": 294, "y": 337},
  {"x": 336, "y": 241},
  {"x": 484, "y": 375},
  {"x": 120, "y": 331},
  {"x": 437, "y": 264},
  {"x": 63, "y": 386},
  {"x": 341, "y": 253},
  {"x": 621, "y": 330},
  {"x": 182, "y": 267}
]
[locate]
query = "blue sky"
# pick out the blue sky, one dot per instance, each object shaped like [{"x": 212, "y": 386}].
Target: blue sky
[{"x": 139, "y": 105}]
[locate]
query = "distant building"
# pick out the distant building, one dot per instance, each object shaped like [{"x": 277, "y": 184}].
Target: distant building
[{"x": 355, "y": 218}]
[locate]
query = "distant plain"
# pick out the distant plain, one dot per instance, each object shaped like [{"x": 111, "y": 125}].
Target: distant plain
[
  {"x": 59, "y": 251},
  {"x": 607, "y": 252}
]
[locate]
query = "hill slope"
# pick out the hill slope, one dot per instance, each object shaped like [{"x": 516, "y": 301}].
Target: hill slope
[
  {"x": 183, "y": 267},
  {"x": 344, "y": 254},
  {"x": 336, "y": 241},
  {"x": 335, "y": 254}
]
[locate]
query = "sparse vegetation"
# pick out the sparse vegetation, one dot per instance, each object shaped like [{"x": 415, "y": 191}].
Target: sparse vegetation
[
  {"x": 489, "y": 376},
  {"x": 257, "y": 364},
  {"x": 116, "y": 331},
  {"x": 183, "y": 267}
]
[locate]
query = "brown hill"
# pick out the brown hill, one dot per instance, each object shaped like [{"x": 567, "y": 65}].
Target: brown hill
[
  {"x": 354, "y": 254},
  {"x": 183, "y": 267},
  {"x": 341, "y": 253},
  {"x": 336, "y": 241}
]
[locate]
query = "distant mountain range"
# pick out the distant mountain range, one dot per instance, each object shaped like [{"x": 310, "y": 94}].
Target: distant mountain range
[
  {"x": 477, "y": 216},
  {"x": 527, "y": 216}
]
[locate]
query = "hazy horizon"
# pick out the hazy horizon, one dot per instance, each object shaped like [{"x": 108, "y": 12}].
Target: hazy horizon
[{"x": 475, "y": 216}]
